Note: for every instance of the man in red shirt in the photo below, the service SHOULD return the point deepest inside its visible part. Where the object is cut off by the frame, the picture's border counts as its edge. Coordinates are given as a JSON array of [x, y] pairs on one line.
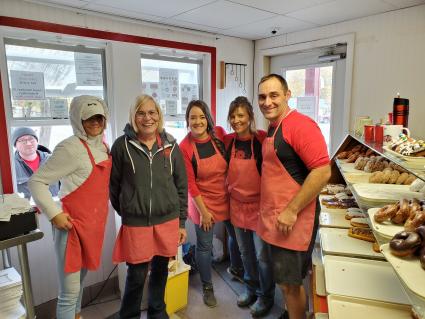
[[295, 168], [29, 156]]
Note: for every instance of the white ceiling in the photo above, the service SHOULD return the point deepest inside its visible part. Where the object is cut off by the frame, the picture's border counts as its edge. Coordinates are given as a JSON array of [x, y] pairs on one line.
[[248, 19]]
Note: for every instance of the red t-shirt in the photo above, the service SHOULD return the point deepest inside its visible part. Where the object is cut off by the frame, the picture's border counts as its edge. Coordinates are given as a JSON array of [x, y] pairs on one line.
[[305, 137], [35, 164]]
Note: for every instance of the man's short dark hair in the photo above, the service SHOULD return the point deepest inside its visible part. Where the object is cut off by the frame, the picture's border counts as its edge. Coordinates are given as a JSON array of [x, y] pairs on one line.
[[280, 78]]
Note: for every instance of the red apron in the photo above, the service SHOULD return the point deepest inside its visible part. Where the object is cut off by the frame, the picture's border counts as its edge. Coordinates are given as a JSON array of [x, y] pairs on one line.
[[88, 206], [139, 244], [211, 181], [243, 182], [278, 188]]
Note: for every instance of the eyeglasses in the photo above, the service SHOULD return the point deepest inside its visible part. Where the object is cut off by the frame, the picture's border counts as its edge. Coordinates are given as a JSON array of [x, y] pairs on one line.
[[30, 139], [151, 114]]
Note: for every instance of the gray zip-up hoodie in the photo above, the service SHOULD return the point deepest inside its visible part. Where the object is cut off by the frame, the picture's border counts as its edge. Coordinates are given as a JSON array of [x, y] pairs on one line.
[[148, 187]]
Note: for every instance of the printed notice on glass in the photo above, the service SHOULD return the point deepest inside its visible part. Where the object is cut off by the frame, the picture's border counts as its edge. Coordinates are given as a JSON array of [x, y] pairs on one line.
[[188, 92], [169, 84], [27, 85], [88, 69], [152, 89], [58, 108], [171, 107], [307, 105]]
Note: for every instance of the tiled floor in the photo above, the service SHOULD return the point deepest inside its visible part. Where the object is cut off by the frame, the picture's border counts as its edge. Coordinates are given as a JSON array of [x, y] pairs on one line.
[[225, 294]]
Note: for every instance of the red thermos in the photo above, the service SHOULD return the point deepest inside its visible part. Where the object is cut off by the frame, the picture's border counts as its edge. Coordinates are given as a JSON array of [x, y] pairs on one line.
[[401, 111]]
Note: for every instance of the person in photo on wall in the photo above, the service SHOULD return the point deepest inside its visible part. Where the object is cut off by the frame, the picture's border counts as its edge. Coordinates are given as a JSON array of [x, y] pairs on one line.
[[204, 155], [243, 153], [295, 168], [82, 164], [29, 156], [148, 190]]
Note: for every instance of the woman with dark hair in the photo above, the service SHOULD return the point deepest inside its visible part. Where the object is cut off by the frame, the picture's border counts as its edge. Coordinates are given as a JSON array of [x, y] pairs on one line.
[[203, 152], [243, 182], [148, 190]]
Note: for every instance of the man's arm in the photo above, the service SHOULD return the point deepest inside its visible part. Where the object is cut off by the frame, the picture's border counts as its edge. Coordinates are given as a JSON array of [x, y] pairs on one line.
[[313, 184]]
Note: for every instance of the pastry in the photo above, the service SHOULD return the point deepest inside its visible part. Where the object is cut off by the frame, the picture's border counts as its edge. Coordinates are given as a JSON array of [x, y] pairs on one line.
[[405, 243], [385, 213], [359, 222], [362, 234], [414, 221], [354, 212], [376, 177], [394, 176], [402, 214], [409, 180], [402, 178]]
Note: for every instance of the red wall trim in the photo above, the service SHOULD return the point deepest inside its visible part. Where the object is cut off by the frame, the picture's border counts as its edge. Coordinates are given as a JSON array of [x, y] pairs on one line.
[[90, 33], [6, 170]]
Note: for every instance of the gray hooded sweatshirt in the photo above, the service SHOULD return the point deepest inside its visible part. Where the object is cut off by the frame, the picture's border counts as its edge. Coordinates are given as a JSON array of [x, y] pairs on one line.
[[70, 163]]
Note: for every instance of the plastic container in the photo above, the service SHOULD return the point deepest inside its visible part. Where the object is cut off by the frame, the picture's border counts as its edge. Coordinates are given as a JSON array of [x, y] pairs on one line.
[[176, 291]]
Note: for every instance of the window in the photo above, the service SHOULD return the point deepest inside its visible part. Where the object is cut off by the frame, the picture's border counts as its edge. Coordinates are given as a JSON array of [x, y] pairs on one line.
[[173, 82], [43, 79], [311, 89]]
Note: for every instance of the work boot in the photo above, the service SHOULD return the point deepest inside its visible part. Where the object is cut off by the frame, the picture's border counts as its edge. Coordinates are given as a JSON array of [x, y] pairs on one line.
[[261, 307], [208, 296], [245, 299]]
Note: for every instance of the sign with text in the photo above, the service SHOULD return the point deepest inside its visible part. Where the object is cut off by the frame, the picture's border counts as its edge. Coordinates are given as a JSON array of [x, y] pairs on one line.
[[27, 85], [58, 108], [188, 92], [307, 106], [88, 69], [169, 84], [171, 107]]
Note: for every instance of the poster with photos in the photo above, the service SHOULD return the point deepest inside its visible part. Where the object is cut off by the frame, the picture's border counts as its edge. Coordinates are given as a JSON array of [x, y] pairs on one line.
[[152, 89], [169, 84], [188, 92]]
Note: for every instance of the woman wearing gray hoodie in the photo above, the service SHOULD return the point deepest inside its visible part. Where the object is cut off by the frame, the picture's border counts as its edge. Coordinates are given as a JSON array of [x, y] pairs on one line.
[[82, 164]]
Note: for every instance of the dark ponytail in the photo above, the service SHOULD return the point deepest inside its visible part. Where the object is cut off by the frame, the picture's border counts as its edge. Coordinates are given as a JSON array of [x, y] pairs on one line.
[[210, 122]]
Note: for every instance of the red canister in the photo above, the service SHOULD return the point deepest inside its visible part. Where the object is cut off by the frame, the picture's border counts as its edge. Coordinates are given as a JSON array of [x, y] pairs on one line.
[[379, 134], [369, 133], [401, 111]]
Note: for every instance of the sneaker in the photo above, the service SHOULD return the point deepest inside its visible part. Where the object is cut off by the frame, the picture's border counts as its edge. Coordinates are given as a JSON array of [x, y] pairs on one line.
[[208, 296], [284, 315], [245, 299], [261, 307], [236, 274]]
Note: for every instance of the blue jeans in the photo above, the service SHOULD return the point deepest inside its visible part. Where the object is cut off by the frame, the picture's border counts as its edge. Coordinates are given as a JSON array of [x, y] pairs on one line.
[[256, 259], [133, 293], [204, 240], [70, 284], [233, 247]]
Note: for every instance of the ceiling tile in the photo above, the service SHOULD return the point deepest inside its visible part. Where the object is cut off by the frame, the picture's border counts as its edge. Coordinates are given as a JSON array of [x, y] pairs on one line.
[[192, 26], [279, 6], [341, 10], [224, 14], [163, 8], [405, 3], [70, 3], [122, 13], [262, 29]]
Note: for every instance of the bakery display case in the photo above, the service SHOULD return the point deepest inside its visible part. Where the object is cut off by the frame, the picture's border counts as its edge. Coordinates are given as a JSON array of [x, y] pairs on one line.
[[380, 191]]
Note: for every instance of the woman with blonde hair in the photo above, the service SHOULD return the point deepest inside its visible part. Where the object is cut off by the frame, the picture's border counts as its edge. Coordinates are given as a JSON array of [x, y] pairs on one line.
[[148, 189]]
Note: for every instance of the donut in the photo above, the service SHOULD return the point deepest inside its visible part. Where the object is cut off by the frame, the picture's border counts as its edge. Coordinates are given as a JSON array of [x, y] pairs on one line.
[[414, 221], [385, 213], [402, 214], [402, 178], [376, 177], [410, 179], [421, 231], [405, 243], [394, 175]]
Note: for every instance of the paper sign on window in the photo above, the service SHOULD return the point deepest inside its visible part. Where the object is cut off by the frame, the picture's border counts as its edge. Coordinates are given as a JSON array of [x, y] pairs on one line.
[[88, 69], [307, 106], [58, 108], [27, 85], [188, 92], [171, 107], [169, 84], [152, 89]]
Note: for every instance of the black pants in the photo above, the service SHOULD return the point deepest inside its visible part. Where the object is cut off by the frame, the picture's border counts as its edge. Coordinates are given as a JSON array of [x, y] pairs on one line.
[[133, 294]]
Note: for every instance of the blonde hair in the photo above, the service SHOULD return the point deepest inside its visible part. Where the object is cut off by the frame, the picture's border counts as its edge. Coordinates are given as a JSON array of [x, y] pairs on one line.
[[140, 101]]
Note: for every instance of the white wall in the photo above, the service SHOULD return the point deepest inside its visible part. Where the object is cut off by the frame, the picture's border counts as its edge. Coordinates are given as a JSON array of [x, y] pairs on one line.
[[123, 86], [388, 57]]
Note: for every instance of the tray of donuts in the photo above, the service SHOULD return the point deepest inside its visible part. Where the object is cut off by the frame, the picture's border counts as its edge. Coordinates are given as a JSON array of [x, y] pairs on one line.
[[393, 218], [406, 253], [377, 195], [339, 202]]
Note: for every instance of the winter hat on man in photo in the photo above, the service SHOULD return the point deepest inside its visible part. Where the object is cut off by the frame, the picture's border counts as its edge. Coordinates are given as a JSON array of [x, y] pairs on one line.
[[21, 131]]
